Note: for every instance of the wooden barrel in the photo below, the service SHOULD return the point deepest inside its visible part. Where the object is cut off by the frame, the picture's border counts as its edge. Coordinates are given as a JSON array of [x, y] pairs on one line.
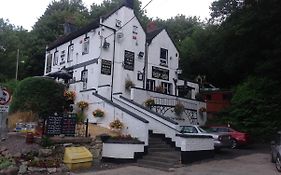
[[29, 138]]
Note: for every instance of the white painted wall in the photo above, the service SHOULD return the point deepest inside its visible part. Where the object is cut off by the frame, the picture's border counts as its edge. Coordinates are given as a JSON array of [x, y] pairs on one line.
[[162, 40], [195, 144], [121, 151]]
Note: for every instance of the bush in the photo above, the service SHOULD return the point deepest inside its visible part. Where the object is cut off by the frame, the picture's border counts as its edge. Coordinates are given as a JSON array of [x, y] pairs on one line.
[[40, 95]]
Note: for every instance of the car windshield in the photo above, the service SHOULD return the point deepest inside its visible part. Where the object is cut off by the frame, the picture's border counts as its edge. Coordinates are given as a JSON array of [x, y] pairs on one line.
[[202, 130]]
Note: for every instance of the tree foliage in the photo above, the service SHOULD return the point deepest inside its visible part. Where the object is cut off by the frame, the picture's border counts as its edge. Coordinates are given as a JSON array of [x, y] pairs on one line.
[[39, 95]]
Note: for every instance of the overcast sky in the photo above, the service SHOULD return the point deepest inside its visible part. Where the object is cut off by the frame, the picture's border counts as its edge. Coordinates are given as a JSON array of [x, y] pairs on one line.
[[26, 12]]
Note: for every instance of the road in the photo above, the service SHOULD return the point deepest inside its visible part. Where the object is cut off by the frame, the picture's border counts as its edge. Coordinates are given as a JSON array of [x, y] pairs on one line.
[[250, 161]]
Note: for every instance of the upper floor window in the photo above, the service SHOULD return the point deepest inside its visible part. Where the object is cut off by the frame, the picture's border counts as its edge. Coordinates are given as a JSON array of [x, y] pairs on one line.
[[49, 63], [56, 58], [70, 53], [62, 57], [86, 46], [163, 57], [84, 78]]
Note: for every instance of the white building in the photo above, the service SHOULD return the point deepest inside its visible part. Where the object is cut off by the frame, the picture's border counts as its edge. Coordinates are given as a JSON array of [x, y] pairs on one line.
[[108, 55]]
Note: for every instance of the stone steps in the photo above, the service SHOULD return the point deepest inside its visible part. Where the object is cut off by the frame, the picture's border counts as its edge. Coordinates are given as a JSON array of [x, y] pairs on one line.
[[160, 155]]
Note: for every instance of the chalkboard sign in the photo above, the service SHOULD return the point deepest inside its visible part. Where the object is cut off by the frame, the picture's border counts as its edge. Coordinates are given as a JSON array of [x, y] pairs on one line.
[[129, 60], [54, 125], [68, 125], [160, 73], [106, 67]]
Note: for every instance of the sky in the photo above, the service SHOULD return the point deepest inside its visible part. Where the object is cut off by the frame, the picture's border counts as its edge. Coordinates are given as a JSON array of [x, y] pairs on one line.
[[26, 12]]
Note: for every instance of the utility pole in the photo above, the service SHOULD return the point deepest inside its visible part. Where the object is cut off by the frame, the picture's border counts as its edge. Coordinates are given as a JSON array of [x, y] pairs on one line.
[[17, 64]]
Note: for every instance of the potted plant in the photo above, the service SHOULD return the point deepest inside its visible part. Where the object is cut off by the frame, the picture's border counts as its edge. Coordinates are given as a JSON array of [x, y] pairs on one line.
[[129, 84], [179, 108], [202, 109], [159, 88], [149, 102], [98, 113]]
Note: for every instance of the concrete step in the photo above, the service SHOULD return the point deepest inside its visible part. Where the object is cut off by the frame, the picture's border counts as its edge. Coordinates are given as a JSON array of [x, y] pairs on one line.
[[160, 149], [171, 155], [162, 159], [159, 145]]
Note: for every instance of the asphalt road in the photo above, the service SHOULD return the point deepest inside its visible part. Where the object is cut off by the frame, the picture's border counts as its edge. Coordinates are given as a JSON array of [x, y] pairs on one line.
[[247, 161]]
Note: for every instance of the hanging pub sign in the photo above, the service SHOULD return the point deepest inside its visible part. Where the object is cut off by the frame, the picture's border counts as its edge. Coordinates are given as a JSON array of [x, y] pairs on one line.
[[106, 67], [160, 73], [129, 60]]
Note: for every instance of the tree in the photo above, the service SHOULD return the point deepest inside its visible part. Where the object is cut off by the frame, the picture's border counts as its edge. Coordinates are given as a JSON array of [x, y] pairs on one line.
[[40, 95]]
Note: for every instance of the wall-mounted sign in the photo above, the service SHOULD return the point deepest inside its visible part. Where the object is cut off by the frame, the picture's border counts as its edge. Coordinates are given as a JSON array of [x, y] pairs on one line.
[[4, 96], [106, 67], [140, 76], [160, 73], [129, 60], [4, 108]]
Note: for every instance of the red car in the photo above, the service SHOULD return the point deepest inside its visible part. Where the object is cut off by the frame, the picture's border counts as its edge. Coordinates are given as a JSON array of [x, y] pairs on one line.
[[238, 138]]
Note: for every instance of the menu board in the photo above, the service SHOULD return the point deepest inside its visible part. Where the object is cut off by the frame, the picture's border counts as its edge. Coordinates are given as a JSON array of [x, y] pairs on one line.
[[106, 67], [57, 125], [129, 60], [54, 125], [68, 125], [160, 73]]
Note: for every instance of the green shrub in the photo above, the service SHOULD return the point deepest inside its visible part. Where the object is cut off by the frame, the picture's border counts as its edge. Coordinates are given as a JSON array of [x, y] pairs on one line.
[[40, 95]]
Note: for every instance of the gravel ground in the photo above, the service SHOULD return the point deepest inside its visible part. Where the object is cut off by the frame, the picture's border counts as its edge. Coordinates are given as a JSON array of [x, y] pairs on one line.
[[250, 161]]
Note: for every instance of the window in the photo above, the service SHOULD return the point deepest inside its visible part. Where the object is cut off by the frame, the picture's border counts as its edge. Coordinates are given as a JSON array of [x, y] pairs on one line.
[[150, 85], [189, 129], [84, 78], [56, 58], [167, 88], [62, 57], [70, 53], [129, 60], [163, 57], [85, 47], [49, 63]]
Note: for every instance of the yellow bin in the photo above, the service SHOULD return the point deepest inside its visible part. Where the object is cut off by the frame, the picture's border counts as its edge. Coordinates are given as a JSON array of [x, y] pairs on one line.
[[77, 157]]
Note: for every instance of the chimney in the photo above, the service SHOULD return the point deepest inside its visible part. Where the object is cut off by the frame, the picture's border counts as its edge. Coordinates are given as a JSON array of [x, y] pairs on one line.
[[68, 28], [151, 26], [129, 3]]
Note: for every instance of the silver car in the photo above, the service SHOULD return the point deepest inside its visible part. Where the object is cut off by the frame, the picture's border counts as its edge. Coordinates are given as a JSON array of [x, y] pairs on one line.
[[221, 140], [276, 151]]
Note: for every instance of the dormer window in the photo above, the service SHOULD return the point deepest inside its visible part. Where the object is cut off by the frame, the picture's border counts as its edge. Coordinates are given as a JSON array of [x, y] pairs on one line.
[[70, 53], [85, 47], [62, 57], [56, 58], [163, 57]]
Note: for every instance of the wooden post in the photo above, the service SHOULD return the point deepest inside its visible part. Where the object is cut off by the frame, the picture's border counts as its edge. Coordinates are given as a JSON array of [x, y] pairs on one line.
[[87, 125]]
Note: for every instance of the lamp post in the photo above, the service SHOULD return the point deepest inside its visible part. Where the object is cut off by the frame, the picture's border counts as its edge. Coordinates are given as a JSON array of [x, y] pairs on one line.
[[17, 64]]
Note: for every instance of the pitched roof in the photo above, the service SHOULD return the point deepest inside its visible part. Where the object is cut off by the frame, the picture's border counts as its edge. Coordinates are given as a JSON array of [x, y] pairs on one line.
[[151, 35], [73, 35], [87, 28]]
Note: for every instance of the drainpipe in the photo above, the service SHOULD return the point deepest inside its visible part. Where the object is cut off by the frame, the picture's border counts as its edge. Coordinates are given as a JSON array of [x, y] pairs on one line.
[[113, 58], [145, 69]]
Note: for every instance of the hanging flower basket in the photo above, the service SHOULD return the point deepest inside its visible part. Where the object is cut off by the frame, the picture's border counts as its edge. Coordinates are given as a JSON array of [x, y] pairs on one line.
[[202, 109], [82, 104], [69, 95], [129, 84], [149, 102], [179, 108], [159, 89], [98, 113], [116, 125]]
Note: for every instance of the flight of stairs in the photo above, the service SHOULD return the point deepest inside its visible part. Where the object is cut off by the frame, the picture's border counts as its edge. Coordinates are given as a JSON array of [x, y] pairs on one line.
[[160, 155]]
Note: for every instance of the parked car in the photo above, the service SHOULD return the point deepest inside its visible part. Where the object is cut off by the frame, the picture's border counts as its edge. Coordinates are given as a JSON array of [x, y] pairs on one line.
[[276, 151], [238, 138], [221, 140]]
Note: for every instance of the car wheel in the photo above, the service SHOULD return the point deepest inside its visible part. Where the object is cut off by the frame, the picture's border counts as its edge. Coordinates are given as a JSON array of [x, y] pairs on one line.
[[278, 163], [233, 144]]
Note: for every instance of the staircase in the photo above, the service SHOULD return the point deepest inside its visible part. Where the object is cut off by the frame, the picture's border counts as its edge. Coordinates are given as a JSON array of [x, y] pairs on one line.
[[160, 155]]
